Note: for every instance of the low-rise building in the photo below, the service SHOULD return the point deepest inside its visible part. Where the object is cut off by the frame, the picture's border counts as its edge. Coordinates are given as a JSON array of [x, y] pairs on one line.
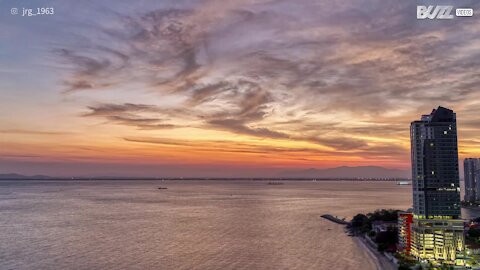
[[438, 240], [383, 226], [405, 220]]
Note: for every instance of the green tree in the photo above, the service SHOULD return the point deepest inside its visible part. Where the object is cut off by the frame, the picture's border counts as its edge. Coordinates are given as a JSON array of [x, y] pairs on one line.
[[474, 233], [383, 215], [359, 220]]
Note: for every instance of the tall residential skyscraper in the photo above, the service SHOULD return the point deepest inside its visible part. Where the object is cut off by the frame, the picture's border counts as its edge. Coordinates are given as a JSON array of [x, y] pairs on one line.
[[436, 184], [437, 231], [471, 168]]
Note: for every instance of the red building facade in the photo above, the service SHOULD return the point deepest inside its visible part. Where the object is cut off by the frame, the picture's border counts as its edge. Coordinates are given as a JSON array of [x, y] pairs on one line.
[[405, 220]]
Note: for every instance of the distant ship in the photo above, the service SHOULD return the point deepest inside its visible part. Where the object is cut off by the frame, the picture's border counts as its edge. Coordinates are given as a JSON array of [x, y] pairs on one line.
[[404, 183], [275, 183]]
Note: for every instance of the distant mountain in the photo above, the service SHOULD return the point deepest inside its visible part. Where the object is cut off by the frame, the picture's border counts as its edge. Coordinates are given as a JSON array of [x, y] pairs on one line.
[[337, 172], [14, 176], [347, 172]]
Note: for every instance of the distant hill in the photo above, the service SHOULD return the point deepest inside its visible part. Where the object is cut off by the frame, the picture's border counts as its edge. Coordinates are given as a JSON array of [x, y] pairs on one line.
[[347, 172], [332, 173], [14, 176]]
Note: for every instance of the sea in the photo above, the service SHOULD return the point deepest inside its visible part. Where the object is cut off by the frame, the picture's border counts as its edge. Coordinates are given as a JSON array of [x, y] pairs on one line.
[[190, 225]]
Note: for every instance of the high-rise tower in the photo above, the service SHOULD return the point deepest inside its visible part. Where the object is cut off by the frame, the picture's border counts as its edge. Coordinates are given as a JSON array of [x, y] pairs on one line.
[[472, 176], [437, 231], [436, 184]]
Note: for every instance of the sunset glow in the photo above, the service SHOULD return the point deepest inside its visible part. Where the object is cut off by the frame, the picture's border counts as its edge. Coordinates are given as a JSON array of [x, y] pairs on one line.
[[225, 88]]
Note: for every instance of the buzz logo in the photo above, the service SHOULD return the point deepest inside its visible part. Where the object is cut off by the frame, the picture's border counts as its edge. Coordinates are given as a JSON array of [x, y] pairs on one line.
[[434, 12]]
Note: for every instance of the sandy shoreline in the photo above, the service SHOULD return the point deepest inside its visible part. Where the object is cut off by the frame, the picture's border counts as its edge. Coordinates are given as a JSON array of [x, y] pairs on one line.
[[380, 261]]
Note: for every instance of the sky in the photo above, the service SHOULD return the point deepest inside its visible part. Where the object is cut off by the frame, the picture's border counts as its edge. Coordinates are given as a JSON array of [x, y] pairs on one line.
[[217, 88]]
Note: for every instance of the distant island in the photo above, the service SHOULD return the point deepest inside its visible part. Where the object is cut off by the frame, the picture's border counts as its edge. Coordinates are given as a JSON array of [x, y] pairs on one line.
[[112, 178], [15, 176], [347, 172], [337, 173]]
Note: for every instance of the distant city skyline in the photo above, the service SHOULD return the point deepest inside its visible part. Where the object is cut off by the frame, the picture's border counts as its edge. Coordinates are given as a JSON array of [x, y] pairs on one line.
[[225, 88]]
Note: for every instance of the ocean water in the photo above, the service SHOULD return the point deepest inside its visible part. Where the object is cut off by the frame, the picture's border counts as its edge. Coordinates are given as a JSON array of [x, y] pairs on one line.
[[191, 225]]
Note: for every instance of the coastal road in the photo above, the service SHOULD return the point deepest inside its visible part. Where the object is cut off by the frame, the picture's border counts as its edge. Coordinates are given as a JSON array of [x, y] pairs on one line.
[[381, 261]]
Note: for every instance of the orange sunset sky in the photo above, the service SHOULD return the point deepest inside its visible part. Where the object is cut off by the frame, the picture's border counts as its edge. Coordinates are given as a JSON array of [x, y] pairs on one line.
[[228, 88]]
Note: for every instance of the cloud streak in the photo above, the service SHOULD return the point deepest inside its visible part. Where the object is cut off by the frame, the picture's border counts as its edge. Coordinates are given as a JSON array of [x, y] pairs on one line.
[[343, 78], [240, 68], [130, 115]]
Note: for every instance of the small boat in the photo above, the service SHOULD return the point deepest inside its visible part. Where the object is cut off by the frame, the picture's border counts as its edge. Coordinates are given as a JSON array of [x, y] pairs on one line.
[[404, 183], [162, 188], [275, 183]]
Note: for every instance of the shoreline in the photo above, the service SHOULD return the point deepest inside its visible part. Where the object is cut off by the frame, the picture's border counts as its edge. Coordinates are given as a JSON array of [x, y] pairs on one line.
[[371, 256], [379, 260]]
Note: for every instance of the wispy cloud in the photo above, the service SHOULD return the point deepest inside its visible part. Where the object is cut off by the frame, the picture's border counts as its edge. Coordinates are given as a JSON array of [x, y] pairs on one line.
[[346, 77], [130, 114], [298, 153], [34, 132]]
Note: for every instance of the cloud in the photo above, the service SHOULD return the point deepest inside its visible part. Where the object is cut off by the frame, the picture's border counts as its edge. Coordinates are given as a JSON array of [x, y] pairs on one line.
[[248, 105], [239, 127], [91, 71], [141, 123], [340, 143], [347, 75], [206, 93], [33, 132], [130, 114], [295, 153], [109, 109]]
